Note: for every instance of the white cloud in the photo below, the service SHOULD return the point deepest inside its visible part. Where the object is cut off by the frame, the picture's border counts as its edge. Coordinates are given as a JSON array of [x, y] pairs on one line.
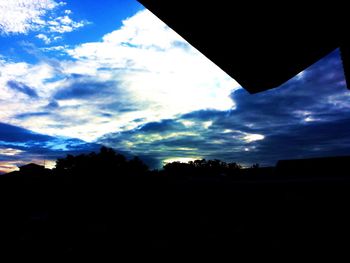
[[13, 102], [161, 73], [142, 71], [44, 38], [253, 137], [9, 151], [54, 48], [207, 124], [24, 16], [21, 16], [63, 24]]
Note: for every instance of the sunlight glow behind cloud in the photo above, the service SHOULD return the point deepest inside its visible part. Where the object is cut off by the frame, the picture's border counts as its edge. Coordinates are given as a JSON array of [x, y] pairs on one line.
[[9, 151], [181, 159], [6, 167]]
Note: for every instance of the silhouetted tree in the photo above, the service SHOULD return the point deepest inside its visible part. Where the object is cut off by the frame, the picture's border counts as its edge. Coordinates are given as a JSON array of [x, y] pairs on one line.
[[106, 163], [202, 168], [177, 168], [137, 166]]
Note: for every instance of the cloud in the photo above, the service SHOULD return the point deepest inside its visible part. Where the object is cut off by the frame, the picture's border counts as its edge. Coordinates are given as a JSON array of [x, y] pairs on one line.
[[12, 134], [44, 38], [31, 114], [25, 16], [19, 146], [253, 137], [52, 105], [63, 24], [9, 151], [18, 86], [143, 71], [54, 48], [84, 87], [152, 73], [306, 117], [147, 59], [25, 88], [6, 167], [143, 90], [21, 16]]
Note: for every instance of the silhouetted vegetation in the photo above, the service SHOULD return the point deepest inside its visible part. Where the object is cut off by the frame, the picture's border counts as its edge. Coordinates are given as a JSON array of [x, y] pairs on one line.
[[202, 168], [104, 204], [105, 164]]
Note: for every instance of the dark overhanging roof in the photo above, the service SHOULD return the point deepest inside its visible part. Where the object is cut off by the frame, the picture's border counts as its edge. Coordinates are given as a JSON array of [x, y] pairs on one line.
[[261, 45]]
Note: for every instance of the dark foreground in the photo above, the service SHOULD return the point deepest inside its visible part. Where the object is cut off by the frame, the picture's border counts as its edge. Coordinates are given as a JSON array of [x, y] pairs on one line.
[[260, 213]]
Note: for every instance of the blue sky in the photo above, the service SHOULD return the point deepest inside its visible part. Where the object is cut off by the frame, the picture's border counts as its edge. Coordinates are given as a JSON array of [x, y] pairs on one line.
[[76, 75]]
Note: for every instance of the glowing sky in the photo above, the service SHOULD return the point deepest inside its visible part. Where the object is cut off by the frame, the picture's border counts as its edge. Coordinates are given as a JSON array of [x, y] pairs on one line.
[[75, 75]]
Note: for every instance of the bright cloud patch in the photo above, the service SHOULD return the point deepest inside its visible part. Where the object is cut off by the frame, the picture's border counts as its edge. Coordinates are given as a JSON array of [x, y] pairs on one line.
[[157, 67], [24, 16], [143, 72], [253, 137], [156, 74], [21, 16], [10, 151], [64, 24], [44, 38]]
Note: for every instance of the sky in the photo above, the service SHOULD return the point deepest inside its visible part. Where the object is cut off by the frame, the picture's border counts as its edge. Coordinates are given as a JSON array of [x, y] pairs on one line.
[[76, 75]]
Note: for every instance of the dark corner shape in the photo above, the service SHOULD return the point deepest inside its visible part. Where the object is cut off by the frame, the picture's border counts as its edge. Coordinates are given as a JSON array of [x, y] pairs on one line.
[[259, 49]]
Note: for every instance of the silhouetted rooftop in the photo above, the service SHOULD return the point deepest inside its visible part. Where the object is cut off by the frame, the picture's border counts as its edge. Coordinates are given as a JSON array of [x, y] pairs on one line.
[[31, 166]]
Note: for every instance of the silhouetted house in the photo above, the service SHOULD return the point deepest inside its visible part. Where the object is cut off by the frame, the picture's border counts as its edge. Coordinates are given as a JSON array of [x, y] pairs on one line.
[[260, 44], [32, 168], [314, 167]]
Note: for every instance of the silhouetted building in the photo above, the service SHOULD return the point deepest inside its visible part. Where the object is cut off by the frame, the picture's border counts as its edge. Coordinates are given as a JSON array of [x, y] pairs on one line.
[[32, 168]]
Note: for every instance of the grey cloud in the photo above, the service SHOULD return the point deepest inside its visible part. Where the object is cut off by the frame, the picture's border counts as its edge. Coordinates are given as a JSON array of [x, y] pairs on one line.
[[83, 89], [299, 119], [21, 87]]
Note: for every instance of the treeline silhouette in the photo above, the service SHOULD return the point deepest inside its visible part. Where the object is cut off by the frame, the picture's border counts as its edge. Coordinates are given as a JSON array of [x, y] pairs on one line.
[[100, 166], [103, 204]]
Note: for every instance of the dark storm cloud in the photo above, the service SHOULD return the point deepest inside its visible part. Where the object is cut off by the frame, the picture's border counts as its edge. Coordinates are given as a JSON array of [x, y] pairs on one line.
[[308, 116], [311, 140], [21, 87]]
